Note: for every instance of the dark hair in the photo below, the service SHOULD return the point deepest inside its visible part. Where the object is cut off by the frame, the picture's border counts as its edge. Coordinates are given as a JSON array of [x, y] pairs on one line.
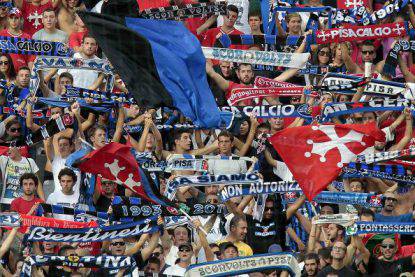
[[316, 53], [225, 245], [311, 256], [11, 123], [63, 137], [67, 75], [367, 212], [49, 10], [178, 133], [23, 68], [153, 260], [11, 71], [68, 172], [264, 125], [26, 176], [254, 14], [213, 245], [232, 8], [333, 206], [88, 36], [65, 248], [325, 253], [368, 43], [243, 64], [225, 133], [93, 129], [235, 220]]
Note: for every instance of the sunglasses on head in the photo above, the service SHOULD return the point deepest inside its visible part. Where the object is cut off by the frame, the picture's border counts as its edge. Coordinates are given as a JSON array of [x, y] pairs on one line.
[[368, 52], [118, 243], [388, 246]]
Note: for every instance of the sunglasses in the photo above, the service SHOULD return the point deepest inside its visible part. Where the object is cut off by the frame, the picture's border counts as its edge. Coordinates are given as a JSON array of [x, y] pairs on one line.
[[368, 52], [268, 209], [4, 63], [14, 130], [213, 201], [185, 250], [324, 53], [388, 246], [118, 243], [335, 248]]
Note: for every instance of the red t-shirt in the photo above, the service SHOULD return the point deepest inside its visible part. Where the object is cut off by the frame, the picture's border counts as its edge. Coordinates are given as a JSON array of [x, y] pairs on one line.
[[75, 39], [148, 4], [19, 60], [33, 16], [212, 34], [22, 206], [232, 86]]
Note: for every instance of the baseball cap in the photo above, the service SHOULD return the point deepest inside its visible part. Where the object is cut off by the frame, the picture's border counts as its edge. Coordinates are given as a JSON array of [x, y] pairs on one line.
[[16, 12]]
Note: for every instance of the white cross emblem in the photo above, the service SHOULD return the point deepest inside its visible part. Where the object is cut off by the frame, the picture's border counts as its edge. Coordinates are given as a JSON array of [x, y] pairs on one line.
[[323, 35], [321, 148], [115, 169], [398, 29], [36, 17], [353, 3]]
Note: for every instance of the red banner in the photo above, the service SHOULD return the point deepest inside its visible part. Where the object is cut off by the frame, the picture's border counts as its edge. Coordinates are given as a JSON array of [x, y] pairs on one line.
[[262, 82], [353, 33], [350, 4], [240, 94], [30, 220]]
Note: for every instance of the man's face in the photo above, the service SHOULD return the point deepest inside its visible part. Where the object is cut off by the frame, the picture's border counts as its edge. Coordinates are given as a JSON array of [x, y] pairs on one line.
[[23, 78], [240, 230], [339, 251], [89, 46], [67, 184], [212, 199], [368, 53], [368, 117], [180, 236], [230, 253], [326, 210], [311, 267], [152, 268], [29, 187], [64, 81], [245, 74], [230, 19], [49, 245], [390, 202], [333, 231], [49, 20], [255, 23], [184, 142], [225, 145], [388, 248], [117, 247], [14, 21], [107, 187], [276, 123], [356, 186], [225, 68], [64, 147], [269, 210], [211, 190], [99, 139]]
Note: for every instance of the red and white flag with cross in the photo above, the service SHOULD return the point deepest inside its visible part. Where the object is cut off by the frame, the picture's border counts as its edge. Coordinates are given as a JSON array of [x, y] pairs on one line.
[[316, 154], [350, 4]]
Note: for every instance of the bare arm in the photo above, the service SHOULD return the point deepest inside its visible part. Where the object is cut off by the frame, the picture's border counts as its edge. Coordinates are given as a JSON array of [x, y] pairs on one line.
[[351, 66], [119, 125], [294, 207], [219, 80], [407, 74], [8, 242], [408, 132]]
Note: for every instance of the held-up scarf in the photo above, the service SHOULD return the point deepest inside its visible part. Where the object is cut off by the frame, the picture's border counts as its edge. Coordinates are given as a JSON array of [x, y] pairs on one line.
[[381, 228], [355, 33], [77, 213], [262, 82], [188, 11], [391, 60], [390, 172], [331, 110], [385, 156], [224, 179], [101, 233], [226, 40], [282, 111], [291, 60], [362, 199], [208, 157], [107, 262], [137, 208], [175, 165], [51, 128], [374, 87], [339, 219], [130, 129], [343, 88], [103, 107], [22, 113], [241, 94], [231, 191], [25, 46], [241, 265], [76, 92], [42, 63]]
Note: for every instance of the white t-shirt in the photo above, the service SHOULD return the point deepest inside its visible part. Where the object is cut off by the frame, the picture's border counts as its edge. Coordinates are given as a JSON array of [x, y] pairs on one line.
[[10, 174], [175, 270], [217, 166], [58, 163], [58, 198], [82, 78], [242, 22]]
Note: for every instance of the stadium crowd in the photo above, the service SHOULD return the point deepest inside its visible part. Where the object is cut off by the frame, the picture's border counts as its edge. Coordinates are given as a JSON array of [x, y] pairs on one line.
[[40, 179]]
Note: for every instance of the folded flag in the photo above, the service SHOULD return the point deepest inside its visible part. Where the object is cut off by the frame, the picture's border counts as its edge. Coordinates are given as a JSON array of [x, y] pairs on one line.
[[161, 63], [308, 149]]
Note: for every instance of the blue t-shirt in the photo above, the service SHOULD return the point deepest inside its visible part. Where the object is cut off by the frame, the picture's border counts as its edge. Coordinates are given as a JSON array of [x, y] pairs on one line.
[[398, 218]]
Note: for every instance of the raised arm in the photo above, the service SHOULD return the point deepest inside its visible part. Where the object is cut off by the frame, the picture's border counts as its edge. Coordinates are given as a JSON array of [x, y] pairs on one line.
[[219, 80], [294, 207], [351, 66], [408, 132]]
